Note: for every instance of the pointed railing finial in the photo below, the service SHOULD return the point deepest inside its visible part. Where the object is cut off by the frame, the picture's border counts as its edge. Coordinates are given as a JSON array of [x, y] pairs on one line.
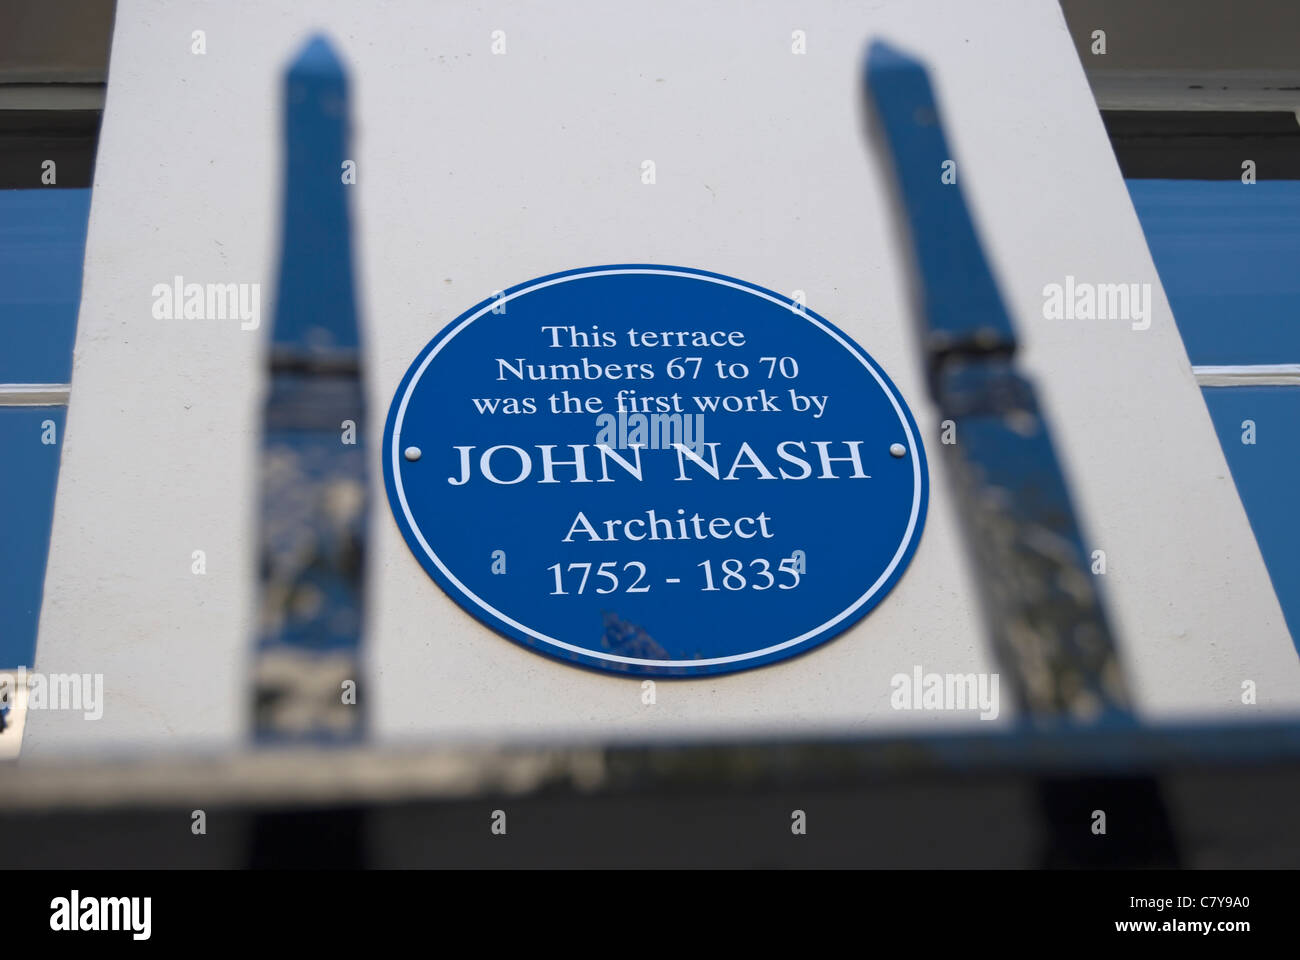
[[315, 315], [314, 477]]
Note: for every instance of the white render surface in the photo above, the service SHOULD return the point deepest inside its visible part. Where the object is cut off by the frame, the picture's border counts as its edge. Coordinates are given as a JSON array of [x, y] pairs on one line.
[[476, 172]]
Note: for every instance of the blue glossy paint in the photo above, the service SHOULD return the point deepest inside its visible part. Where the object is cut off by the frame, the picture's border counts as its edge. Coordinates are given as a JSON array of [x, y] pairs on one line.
[[315, 308], [855, 534], [42, 246], [1229, 258], [1266, 475], [27, 482]]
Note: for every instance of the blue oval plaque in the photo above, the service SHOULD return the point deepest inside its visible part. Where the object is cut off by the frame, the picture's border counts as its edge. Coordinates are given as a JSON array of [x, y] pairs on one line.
[[655, 470]]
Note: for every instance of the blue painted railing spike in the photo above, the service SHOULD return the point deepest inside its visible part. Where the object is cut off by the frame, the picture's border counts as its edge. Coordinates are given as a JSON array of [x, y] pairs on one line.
[[318, 57], [315, 301], [1046, 620], [313, 485], [964, 310]]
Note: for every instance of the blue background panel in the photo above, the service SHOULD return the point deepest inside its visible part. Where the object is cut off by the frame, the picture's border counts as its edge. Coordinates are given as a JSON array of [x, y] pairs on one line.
[[1228, 254], [27, 482], [670, 608], [42, 246], [1266, 473]]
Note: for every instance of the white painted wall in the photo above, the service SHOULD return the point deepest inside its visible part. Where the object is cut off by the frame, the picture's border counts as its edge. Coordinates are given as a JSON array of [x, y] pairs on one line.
[[477, 172]]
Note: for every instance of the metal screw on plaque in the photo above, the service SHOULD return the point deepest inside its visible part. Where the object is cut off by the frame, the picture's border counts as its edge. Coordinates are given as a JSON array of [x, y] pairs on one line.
[[313, 489], [897, 450], [412, 453]]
